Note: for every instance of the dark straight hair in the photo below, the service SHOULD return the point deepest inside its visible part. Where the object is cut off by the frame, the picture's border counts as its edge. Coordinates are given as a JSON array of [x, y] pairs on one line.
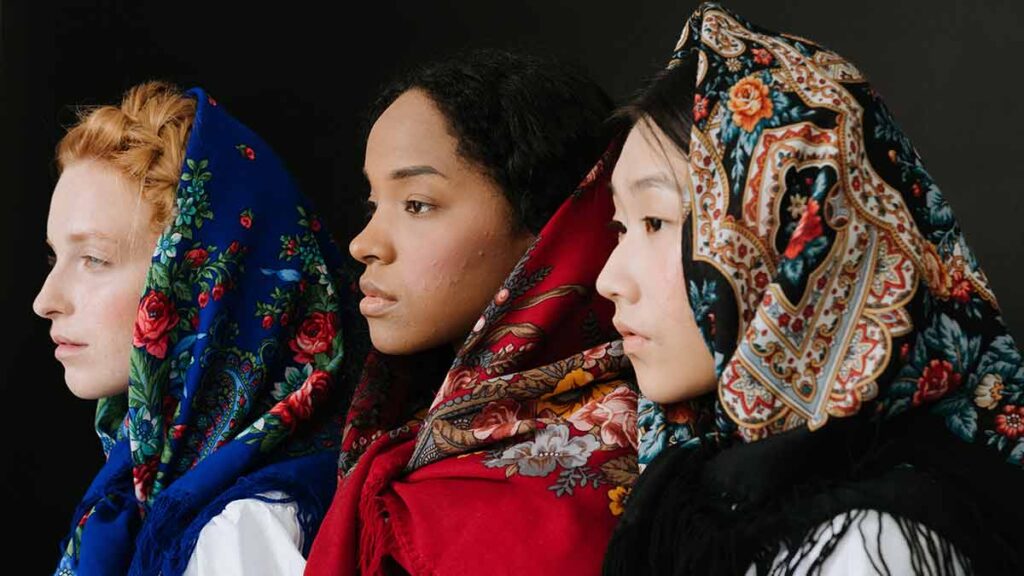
[[666, 102]]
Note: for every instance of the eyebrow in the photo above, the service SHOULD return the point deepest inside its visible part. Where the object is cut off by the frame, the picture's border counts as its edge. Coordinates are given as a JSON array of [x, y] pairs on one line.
[[659, 181], [413, 171], [84, 235]]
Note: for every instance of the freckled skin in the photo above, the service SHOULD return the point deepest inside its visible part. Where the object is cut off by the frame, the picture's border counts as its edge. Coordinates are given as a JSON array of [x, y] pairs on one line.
[[441, 260], [644, 275], [93, 303]]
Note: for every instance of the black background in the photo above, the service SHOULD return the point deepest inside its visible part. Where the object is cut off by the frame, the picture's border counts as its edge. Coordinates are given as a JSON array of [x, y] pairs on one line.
[[301, 74]]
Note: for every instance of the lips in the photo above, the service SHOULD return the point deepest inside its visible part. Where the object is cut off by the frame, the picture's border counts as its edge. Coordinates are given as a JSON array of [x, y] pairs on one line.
[[376, 302], [632, 341], [66, 347]]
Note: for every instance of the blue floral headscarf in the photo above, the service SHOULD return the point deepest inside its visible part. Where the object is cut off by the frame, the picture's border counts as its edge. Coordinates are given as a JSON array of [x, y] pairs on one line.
[[234, 381]]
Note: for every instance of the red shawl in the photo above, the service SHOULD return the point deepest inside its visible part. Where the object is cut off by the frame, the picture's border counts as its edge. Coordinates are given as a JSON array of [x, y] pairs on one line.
[[523, 460]]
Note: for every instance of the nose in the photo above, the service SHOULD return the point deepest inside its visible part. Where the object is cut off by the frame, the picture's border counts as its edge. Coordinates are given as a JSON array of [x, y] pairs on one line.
[[51, 301], [373, 243], [616, 282]]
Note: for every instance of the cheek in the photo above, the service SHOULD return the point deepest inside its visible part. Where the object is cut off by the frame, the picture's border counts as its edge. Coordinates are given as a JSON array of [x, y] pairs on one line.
[[444, 282], [440, 264], [667, 288], [663, 372], [106, 312], [117, 306], [670, 279], [677, 315], [463, 251]]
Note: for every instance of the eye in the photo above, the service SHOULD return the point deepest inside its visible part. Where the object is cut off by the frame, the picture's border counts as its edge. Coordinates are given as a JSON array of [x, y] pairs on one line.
[[51, 259], [417, 207], [617, 227], [94, 262], [653, 224], [369, 207]]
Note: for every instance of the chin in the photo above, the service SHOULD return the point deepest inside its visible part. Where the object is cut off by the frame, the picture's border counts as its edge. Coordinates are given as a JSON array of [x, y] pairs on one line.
[[662, 397], [660, 387], [401, 341], [87, 389], [84, 391], [390, 342]]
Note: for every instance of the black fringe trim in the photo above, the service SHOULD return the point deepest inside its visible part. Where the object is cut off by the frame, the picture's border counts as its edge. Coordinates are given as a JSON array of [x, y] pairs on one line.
[[722, 510]]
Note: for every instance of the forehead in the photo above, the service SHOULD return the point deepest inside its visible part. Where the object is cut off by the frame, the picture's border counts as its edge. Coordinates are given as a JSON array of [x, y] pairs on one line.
[[93, 196], [412, 131], [648, 160]]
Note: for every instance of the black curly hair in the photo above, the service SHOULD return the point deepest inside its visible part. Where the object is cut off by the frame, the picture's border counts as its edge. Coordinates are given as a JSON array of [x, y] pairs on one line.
[[534, 125]]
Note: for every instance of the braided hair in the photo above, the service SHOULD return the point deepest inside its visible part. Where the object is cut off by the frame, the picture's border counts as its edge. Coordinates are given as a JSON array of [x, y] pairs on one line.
[[143, 138]]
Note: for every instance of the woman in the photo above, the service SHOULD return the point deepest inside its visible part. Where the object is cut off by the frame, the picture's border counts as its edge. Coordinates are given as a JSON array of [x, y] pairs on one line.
[[217, 403], [826, 383], [516, 461]]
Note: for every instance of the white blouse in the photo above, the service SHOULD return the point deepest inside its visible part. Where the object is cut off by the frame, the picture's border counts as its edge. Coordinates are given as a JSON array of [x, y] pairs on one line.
[[872, 537], [250, 537]]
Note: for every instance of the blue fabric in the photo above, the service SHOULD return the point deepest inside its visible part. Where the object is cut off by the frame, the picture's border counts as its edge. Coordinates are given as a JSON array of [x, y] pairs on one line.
[[234, 386]]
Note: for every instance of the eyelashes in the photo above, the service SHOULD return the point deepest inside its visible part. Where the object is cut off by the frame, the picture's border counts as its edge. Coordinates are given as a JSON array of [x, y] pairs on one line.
[[414, 207], [88, 261], [94, 262], [418, 207], [651, 225]]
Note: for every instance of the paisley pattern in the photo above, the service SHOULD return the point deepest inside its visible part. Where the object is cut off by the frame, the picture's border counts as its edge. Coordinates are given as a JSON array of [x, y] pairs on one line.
[[233, 375], [841, 280], [537, 412]]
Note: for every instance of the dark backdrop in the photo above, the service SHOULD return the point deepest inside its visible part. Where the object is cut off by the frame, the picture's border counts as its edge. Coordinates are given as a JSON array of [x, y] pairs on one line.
[[301, 75]]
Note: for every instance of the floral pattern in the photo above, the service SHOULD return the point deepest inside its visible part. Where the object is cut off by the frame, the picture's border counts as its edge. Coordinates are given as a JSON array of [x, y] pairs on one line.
[[618, 497], [538, 404], [484, 400], [750, 102], [208, 372], [153, 324], [613, 416], [830, 272], [550, 448]]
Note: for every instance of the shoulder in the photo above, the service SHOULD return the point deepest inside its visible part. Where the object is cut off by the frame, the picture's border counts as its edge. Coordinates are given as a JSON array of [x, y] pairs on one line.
[[251, 535]]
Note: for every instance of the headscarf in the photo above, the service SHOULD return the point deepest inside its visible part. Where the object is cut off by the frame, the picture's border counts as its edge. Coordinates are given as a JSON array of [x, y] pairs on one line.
[[852, 329], [233, 388], [521, 459], [827, 270]]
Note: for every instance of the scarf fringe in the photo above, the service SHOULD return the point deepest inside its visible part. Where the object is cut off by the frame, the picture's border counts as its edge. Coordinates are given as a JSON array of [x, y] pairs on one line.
[[680, 521], [172, 528], [112, 488], [374, 540], [930, 555]]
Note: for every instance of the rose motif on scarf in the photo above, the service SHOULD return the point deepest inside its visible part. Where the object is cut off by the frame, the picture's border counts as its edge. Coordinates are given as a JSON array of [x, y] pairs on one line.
[[298, 405], [143, 475], [208, 372], [845, 281], [498, 420], [196, 257], [614, 415], [750, 102], [937, 379], [314, 336], [155, 320]]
